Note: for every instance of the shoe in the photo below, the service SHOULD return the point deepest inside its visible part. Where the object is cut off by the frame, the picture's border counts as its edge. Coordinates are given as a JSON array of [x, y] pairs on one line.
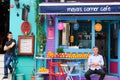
[[5, 77], [11, 71]]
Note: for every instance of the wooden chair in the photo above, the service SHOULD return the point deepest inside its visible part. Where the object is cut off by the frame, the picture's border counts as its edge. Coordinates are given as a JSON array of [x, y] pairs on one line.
[[56, 71]]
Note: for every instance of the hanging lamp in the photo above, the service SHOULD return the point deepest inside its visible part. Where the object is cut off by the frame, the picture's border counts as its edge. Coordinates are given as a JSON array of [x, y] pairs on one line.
[[60, 26], [98, 27], [76, 26]]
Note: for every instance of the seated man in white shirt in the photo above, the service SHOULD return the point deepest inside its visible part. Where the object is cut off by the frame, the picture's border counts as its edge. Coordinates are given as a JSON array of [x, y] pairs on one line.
[[95, 63]]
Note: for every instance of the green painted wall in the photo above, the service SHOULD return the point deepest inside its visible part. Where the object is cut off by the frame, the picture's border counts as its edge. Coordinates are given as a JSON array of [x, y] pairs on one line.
[[25, 64]]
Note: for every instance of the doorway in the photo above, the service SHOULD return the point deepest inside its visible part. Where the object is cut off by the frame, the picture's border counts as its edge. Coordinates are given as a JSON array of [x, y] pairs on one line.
[[101, 40], [4, 22], [108, 42], [113, 48]]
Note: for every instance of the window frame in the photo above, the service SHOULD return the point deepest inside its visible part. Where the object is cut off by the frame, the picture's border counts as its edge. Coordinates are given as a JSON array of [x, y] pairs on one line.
[[74, 18]]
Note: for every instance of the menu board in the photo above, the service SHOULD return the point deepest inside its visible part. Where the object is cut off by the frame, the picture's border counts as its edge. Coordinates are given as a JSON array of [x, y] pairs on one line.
[[26, 45]]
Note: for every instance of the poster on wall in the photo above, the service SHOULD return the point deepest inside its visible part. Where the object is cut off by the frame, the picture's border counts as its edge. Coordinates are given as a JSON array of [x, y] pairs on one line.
[[26, 45], [50, 33]]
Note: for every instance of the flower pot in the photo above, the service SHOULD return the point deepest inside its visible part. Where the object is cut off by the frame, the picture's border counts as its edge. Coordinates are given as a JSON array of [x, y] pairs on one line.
[[33, 78]]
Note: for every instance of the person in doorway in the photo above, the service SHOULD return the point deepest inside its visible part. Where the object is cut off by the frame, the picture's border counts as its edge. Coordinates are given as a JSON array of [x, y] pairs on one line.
[[9, 49], [95, 64]]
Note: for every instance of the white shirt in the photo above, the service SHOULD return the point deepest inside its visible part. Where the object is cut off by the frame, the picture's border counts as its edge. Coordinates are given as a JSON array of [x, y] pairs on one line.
[[95, 59]]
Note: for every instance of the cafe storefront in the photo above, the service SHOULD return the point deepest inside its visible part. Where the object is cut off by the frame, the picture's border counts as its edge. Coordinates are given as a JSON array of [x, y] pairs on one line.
[[84, 26]]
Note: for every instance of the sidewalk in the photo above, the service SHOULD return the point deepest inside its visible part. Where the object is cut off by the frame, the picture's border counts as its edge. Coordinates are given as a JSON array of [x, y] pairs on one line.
[[9, 77], [2, 68]]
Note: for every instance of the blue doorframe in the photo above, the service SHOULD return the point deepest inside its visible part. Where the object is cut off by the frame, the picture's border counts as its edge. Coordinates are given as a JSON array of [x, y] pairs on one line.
[[119, 50], [111, 67]]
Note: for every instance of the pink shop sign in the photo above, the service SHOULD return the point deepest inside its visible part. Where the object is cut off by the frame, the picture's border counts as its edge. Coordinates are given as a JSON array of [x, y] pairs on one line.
[[50, 33]]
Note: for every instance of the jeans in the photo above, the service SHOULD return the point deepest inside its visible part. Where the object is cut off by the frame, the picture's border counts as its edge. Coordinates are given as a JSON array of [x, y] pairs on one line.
[[100, 72], [7, 61]]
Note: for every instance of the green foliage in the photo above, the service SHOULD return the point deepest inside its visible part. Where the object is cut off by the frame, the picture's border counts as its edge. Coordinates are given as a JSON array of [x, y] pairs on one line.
[[60, 50], [41, 37]]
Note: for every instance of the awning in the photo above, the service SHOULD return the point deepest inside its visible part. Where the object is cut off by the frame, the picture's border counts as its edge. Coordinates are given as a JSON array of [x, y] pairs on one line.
[[80, 8]]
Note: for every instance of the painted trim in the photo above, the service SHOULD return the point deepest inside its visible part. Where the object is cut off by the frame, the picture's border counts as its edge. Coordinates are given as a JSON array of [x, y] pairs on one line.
[[80, 13], [56, 34], [114, 60], [109, 50], [93, 34], [88, 17], [119, 49], [113, 74], [110, 59], [78, 50], [78, 4]]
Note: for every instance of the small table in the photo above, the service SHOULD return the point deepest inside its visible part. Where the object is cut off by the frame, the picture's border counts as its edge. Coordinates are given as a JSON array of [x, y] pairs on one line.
[[42, 64], [65, 68]]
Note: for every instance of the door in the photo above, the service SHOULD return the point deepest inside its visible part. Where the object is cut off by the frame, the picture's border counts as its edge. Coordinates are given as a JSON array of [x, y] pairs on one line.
[[113, 48]]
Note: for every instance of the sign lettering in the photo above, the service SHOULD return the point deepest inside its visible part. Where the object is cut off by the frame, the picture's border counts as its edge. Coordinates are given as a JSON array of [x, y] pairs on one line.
[[105, 9]]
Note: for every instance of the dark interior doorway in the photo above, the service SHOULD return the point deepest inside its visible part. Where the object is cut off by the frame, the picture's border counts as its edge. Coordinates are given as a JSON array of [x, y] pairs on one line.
[[101, 40], [4, 22]]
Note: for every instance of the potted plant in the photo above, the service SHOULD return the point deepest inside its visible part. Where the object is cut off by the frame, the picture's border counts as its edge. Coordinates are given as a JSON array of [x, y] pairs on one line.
[[32, 77], [60, 50], [60, 53]]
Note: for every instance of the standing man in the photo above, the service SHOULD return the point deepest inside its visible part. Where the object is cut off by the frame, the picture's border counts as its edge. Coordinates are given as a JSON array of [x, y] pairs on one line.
[[95, 64], [9, 49]]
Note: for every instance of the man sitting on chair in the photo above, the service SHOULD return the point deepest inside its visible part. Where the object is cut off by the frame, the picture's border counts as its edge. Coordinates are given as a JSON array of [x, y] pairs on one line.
[[95, 63]]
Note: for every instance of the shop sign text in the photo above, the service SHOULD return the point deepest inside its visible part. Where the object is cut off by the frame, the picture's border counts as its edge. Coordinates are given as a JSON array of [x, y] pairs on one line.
[[89, 9]]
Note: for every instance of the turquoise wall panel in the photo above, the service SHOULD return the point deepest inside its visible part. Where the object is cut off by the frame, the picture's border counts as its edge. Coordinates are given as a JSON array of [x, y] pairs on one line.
[[25, 64], [16, 21], [25, 61]]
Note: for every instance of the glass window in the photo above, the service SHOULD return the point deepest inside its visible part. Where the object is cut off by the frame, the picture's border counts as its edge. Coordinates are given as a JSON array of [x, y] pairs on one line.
[[114, 41], [76, 34]]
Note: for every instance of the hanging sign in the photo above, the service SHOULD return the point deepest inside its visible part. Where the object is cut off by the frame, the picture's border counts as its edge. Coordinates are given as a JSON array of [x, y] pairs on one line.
[[80, 8], [25, 28], [50, 33]]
